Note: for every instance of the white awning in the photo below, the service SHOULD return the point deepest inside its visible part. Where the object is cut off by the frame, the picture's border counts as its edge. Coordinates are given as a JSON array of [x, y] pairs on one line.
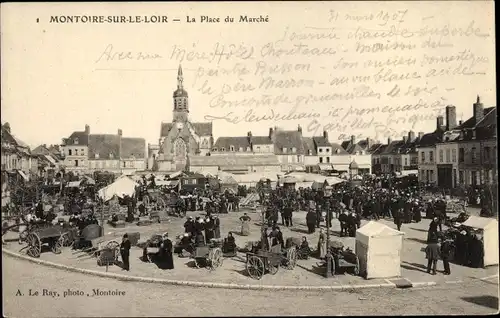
[[25, 177], [325, 166]]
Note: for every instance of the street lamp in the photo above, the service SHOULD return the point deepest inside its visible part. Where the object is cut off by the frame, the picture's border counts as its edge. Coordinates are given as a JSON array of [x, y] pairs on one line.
[[328, 256]]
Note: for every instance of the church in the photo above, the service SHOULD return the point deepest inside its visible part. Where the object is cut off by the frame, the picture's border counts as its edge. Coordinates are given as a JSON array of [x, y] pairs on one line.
[[182, 138]]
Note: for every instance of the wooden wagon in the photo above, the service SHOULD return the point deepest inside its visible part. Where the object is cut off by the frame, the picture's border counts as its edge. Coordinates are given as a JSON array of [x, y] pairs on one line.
[[38, 236], [262, 262], [342, 259], [210, 256]]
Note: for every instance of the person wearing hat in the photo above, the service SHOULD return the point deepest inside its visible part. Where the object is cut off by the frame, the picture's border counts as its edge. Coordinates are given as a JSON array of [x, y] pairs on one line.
[[125, 252], [245, 224], [432, 252], [189, 225], [166, 256], [433, 226], [209, 229], [199, 226], [216, 227], [446, 248]]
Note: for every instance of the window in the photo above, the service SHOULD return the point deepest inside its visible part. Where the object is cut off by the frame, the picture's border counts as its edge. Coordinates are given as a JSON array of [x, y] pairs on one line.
[[294, 150], [284, 149], [320, 149], [222, 149], [96, 156], [248, 148], [298, 158], [441, 155], [473, 155], [124, 164], [83, 151], [453, 155], [328, 159], [111, 156], [76, 163], [214, 150], [461, 155], [69, 152], [487, 154], [431, 156], [448, 155], [327, 149], [337, 151], [320, 159], [231, 148], [241, 149], [76, 152], [258, 148], [310, 152], [422, 155], [76, 141], [406, 161]]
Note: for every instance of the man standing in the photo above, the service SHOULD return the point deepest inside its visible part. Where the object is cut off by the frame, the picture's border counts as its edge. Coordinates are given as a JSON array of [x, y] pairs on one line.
[[125, 252], [445, 255], [311, 221], [432, 254]]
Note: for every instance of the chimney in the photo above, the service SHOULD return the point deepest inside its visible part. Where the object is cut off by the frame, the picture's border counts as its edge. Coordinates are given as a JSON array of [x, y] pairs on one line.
[[353, 140], [368, 143], [439, 122], [299, 129], [120, 133], [249, 137], [325, 134], [271, 133], [411, 136], [405, 139], [451, 117], [389, 140], [478, 108], [249, 134], [460, 123], [420, 134], [7, 127], [87, 129]]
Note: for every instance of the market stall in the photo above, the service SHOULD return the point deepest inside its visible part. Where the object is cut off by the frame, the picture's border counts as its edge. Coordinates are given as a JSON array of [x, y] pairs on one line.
[[487, 229], [121, 187], [378, 248]]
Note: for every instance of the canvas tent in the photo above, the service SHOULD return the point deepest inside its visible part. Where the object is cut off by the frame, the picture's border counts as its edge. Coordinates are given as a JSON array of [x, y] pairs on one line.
[[378, 248], [122, 186], [227, 182], [489, 229]]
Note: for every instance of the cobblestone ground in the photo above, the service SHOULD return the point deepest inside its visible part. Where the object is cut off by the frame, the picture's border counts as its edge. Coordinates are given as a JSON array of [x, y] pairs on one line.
[[233, 270], [474, 298]]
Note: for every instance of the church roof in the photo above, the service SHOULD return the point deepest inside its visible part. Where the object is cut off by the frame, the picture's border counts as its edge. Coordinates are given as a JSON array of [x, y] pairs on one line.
[[201, 129]]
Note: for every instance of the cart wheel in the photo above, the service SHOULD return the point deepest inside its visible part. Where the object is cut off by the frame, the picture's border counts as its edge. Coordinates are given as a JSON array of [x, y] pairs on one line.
[[333, 266], [273, 268], [34, 245], [291, 256], [214, 259], [356, 268], [115, 246], [57, 245], [255, 267]]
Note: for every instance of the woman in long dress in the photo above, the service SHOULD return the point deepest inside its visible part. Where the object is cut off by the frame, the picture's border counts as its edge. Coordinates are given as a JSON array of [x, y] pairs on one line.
[[245, 225], [322, 244]]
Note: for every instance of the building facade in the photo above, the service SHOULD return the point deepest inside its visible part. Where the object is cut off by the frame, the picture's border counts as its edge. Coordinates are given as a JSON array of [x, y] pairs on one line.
[[182, 138], [16, 154], [85, 153]]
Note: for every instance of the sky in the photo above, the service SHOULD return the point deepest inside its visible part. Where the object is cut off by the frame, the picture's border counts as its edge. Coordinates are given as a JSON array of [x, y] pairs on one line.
[[345, 67]]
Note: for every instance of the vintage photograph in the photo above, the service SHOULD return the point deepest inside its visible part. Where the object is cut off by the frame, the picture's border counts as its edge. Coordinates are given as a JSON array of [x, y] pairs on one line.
[[249, 159]]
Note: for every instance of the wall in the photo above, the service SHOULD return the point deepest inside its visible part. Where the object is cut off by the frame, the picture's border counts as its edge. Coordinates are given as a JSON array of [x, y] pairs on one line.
[[78, 153], [427, 169], [204, 169]]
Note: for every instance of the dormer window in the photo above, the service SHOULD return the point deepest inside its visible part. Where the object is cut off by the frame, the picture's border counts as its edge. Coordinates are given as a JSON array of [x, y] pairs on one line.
[[222, 149], [320, 149], [96, 156], [327, 149], [294, 150], [75, 141], [473, 134], [241, 149], [111, 156], [248, 148], [338, 151], [310, 152], [214, 150], [231, 148], [284, 149]]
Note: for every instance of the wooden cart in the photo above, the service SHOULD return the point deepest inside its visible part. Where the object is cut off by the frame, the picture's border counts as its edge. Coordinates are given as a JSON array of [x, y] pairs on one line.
[[210, 256], [38, 236], [257, 264]]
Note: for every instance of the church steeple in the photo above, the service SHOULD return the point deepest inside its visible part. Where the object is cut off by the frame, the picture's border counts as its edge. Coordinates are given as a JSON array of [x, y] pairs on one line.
[[180, 78], [181, 107]]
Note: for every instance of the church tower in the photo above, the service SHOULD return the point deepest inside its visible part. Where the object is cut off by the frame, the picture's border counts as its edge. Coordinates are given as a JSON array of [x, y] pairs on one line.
[[181, 107]]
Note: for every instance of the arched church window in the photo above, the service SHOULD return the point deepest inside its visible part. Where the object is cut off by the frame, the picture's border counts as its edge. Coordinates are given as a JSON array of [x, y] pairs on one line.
[[180, 148]]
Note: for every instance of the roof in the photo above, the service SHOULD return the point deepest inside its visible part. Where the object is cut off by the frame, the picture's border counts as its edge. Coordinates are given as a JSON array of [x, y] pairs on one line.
[[133, 147], [20, 143], [308, 144], [373, 228], [105, 144], [471, 122], [337, 149], [261, 140], [235, 160], [376, 148], [430, 139], [353, 165], [409, 147], [394, 147], [82, 136], [236, 142], [288, 140], [480, 222], [321, 142], [201, 129]]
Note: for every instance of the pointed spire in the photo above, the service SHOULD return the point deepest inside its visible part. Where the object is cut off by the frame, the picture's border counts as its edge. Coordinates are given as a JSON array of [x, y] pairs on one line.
[[179, 77], [478, 99]]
